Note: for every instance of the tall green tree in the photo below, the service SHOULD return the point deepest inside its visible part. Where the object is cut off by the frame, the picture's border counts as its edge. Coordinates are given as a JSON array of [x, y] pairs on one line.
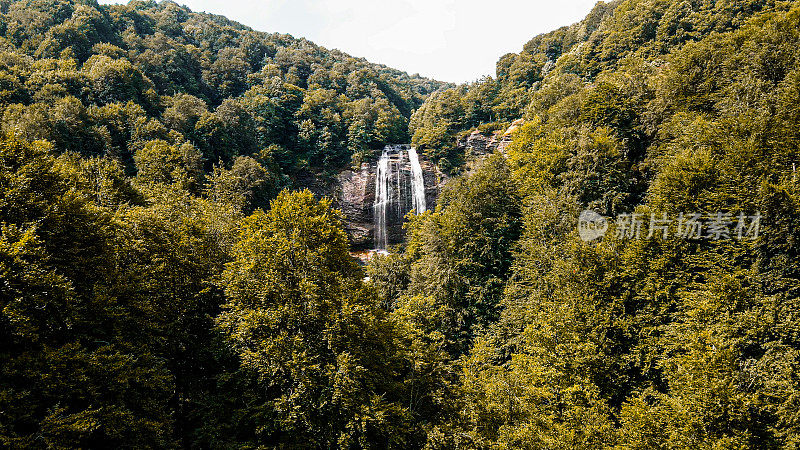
[[303, 324]]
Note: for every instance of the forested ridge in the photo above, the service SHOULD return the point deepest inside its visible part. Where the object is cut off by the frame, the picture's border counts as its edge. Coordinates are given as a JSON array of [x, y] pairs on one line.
[[132, 80], [166, 282]]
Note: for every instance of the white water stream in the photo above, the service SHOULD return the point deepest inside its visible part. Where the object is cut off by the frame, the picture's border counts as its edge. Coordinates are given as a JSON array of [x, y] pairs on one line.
[[391, 190]]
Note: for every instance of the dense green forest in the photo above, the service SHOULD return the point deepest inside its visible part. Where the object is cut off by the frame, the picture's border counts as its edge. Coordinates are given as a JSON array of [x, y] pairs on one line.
[[166, 281], [152, 82]]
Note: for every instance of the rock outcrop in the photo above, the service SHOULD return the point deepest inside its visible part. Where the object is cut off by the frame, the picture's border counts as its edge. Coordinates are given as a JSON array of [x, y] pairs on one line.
[[354, 190], [505, 139], [354, 195], [478, 144]]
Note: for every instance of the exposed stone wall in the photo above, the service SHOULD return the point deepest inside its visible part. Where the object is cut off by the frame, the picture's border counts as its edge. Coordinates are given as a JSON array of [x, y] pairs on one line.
[[477, 144], [354, 195], [354, 190]]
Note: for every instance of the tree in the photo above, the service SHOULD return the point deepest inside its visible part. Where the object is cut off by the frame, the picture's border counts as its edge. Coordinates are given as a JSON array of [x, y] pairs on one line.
[[247, 185], [302, 323], [117, 80], [160, 162], [461, 254], [69, 376], [172, 252]]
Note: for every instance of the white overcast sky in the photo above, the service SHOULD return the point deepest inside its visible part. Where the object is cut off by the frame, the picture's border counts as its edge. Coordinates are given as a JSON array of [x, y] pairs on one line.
[[447, 40]]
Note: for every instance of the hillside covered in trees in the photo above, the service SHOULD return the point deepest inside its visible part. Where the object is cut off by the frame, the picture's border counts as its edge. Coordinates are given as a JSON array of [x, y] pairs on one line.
[[148, 82], [652, 108], [165, 281]]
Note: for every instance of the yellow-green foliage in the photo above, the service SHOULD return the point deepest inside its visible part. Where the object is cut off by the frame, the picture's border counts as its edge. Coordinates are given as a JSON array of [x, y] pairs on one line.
[[653, 343], [159, 289]]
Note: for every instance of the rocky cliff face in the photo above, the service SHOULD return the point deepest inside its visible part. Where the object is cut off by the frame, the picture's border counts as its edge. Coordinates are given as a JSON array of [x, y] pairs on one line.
[[354, 195], [477, 144]]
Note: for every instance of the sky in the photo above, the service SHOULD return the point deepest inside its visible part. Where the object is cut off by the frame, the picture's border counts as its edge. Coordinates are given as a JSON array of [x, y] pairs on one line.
[[448, 40]]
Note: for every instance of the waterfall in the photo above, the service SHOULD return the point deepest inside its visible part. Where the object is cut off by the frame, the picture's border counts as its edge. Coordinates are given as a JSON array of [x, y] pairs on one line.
[[381, 201], [417, 181], [399, 187], [400, 204]]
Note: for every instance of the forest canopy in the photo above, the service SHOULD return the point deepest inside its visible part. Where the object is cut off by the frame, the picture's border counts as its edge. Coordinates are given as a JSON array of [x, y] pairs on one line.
[[167, 280], [111, 80]]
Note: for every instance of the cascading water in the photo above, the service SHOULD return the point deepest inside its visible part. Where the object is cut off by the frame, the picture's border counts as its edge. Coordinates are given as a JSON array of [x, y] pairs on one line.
[[417, 181], [399, 204], [393, 198], [381, 201]]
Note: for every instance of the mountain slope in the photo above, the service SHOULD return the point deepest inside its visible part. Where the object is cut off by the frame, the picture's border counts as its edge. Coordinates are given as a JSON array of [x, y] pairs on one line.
[[569, 58], [108, 79], [156, 291], [654, 334]]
